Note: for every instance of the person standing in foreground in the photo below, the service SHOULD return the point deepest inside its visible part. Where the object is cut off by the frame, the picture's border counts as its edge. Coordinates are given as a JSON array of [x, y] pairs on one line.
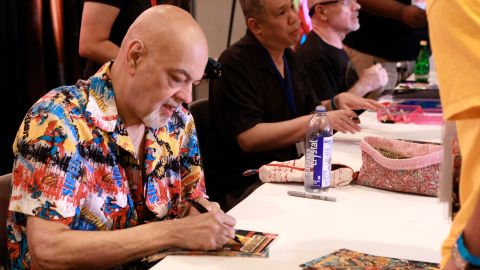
[[455, 50], [100, 166], [260, 106], [327, 64]]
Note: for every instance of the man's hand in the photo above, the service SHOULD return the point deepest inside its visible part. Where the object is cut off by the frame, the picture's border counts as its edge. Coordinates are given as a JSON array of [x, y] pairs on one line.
[[343, 121], [349, 101], [210, 206], [450, 265], [414, 16], [372, 78], [207, 231]]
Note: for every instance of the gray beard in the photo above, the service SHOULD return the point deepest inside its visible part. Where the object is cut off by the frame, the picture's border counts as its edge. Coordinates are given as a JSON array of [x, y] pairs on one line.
[[155, 120]]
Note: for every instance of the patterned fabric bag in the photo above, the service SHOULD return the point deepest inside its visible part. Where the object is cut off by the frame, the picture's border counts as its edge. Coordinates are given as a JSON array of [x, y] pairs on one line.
[[294, 171], [400, 166]]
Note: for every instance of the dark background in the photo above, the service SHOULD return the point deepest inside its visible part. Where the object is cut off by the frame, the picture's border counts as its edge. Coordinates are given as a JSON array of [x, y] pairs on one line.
[[39, 51]]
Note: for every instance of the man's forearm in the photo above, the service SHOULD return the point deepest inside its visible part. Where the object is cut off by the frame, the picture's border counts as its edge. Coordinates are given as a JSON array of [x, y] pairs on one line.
[[269, 136], [358, 89], [472, 231], [69, 249]]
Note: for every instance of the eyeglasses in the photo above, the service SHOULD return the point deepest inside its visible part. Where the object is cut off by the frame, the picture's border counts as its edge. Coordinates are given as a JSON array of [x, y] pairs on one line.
[[344, 2]]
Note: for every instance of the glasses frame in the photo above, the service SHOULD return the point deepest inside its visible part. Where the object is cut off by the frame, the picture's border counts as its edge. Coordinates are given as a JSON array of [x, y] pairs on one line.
[[312, 9]]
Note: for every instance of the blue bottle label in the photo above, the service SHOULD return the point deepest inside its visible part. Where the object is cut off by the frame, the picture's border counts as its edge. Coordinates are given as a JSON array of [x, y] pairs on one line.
[[321, 151]]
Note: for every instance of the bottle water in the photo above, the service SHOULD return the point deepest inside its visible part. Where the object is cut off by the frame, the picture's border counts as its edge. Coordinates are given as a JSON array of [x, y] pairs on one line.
[[422, 65], [318, 157]]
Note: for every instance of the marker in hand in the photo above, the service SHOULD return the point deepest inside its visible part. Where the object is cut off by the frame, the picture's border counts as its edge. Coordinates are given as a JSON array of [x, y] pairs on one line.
[[201, 209]]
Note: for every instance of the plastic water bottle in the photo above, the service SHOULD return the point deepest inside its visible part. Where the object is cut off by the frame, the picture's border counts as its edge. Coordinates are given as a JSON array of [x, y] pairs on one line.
[[318, 157], [422, 65]]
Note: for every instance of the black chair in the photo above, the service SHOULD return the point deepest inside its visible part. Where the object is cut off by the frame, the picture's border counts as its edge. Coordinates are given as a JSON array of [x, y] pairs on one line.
[[200, 112]]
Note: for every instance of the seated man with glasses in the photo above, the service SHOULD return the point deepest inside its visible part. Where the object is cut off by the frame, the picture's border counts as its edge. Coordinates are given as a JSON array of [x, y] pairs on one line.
[[324, 58]]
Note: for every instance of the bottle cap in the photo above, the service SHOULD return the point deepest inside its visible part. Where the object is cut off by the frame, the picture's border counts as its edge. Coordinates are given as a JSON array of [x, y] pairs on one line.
[[320, 108], [423, 43]]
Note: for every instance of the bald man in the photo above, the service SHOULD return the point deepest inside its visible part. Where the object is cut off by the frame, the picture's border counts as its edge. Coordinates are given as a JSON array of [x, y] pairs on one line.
[[104, 170]]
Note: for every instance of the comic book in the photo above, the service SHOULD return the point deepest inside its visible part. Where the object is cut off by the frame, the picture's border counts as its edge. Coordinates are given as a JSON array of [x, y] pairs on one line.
[[344, 259], [253, 244]]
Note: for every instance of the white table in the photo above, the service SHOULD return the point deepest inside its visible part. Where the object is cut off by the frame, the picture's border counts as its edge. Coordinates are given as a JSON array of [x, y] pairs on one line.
[[363, 219]]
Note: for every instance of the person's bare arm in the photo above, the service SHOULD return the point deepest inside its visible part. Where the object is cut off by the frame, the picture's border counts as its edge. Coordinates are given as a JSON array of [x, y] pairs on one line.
[[471, 232], [97, 21], [349, 101], [268, 136], [471, 237], [410, 15], [371, 79], [53, 245]]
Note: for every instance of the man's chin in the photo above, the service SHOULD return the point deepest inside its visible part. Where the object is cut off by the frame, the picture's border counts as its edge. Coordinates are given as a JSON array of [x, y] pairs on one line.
[[354, 28], [157, 123]]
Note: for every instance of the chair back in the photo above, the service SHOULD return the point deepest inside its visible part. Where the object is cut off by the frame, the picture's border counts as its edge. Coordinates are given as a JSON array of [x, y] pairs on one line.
[[5, 192], [200, 112]]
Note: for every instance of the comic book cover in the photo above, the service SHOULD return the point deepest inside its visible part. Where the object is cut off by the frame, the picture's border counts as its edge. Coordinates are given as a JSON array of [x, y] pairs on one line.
[[253, 244], [345, 259]]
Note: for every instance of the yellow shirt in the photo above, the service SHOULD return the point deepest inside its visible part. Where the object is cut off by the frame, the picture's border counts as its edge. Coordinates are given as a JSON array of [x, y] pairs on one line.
[[454, 27]]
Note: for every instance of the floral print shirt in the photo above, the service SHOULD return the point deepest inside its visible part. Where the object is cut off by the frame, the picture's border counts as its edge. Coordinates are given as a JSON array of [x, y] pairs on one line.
[[75, 164]]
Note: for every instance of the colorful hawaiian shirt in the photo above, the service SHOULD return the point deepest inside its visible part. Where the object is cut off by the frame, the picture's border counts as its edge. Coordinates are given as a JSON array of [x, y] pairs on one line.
[[75, 164]]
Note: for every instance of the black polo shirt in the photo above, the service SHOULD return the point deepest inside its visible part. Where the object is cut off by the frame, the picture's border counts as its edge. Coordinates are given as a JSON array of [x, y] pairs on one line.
[[329, 68], [386, 38], [249, 93]]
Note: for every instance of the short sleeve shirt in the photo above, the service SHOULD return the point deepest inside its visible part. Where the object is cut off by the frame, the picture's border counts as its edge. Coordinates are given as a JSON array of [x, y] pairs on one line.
[[75, 164], [129, 11], [249, 93], [329, 68]]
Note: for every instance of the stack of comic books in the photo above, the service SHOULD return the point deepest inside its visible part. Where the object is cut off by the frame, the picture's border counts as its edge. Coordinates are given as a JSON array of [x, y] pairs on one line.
[[251, 244]]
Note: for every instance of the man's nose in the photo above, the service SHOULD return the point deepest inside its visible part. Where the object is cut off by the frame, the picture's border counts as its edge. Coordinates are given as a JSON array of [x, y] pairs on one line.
[[185, 95], [294, 17]]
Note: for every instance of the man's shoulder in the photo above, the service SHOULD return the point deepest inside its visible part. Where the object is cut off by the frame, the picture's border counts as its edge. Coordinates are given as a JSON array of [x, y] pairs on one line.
[[62, 106], [69, 98], [314, 48], [246, 52]]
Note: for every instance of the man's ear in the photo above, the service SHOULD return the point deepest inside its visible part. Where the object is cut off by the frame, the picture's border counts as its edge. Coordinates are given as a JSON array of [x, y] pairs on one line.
[[323, 13], [135, 54], [254, 26]]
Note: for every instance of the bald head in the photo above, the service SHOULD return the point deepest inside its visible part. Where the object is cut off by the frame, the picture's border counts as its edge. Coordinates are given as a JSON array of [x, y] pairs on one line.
[[164, 26], [163, 53]]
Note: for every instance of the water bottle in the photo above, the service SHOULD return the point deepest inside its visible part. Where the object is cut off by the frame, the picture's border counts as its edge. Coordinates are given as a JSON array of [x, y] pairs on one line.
[[318, 149], [422, 65]]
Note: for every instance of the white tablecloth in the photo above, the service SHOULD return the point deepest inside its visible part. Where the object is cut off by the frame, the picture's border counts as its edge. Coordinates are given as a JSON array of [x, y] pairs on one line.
[[363, 219]]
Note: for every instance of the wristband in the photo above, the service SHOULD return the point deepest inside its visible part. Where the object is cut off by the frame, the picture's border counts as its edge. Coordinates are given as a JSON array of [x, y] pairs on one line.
[[462, 249], [332, 104]]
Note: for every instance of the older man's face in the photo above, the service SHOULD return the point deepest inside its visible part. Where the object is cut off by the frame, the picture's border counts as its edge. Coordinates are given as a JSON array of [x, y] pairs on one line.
[[279, 23], [165, 81], [343, 15]]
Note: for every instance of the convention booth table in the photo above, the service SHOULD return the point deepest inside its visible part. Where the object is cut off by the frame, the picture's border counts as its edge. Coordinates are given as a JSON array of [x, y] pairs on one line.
[[362, 219]]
